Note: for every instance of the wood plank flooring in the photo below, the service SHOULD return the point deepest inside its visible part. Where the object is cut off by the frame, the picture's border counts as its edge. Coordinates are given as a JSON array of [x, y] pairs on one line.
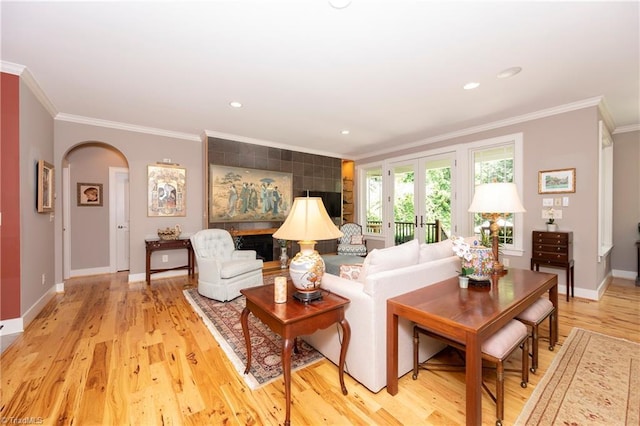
[[113, 353]]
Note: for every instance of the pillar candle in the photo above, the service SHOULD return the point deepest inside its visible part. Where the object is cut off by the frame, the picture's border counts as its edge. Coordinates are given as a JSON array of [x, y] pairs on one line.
[[280, 290]]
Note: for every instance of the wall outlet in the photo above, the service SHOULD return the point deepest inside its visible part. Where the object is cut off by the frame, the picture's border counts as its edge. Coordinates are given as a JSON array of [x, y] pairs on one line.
[[505, 261], [165, 258], [557, 202], [44, 279]]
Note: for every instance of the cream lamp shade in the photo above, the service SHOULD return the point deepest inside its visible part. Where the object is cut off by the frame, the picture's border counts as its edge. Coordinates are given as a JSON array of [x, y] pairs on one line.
[[307, 223], [494, 199]]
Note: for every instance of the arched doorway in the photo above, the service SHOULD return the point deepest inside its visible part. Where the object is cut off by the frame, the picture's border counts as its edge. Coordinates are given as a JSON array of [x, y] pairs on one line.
[[95, 210]]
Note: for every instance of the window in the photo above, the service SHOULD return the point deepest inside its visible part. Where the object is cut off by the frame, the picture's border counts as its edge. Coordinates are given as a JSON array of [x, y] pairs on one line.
[[494, 164], [373, 199]]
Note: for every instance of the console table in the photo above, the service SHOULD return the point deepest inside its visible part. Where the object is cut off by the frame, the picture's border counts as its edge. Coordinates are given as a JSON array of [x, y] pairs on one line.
[[156, 244], [555, 250]]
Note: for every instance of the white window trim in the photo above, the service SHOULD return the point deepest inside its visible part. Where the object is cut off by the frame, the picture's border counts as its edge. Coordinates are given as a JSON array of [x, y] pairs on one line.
[[605, 191]]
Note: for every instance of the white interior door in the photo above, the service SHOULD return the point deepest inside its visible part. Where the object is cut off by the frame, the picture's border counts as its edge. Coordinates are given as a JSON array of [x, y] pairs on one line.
[[119, 218]]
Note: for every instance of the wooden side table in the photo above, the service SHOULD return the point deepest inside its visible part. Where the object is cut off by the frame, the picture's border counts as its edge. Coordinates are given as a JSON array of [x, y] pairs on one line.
[[555, 250], [292, 319], [155, 244]]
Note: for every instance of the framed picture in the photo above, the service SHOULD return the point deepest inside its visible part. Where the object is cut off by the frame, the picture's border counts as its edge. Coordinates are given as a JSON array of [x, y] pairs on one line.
[[90, 194], [167, 190], [46, 187], [240, 195], [556, 181]]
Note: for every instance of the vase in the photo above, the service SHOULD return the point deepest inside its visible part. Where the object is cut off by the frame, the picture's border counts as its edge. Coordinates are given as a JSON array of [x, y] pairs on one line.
[[284, 258], [552, 227], [481, 262], [463, 281]]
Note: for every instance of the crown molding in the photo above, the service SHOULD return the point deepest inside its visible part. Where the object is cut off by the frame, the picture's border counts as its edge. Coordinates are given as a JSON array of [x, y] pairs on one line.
[[560, 109], [127, 127], [28, 79], [603, 108], [262, 142], [627, 129]]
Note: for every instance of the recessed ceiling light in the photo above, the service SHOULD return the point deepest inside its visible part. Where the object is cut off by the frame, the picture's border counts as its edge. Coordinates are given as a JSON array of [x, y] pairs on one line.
[[339, 4], [471, 85], [509, 72], [345, 132], [235, 104]]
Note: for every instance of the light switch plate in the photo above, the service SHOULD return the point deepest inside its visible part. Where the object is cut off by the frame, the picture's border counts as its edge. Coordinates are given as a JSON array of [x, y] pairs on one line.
[[565, 201], [547, 202], [557, 202]]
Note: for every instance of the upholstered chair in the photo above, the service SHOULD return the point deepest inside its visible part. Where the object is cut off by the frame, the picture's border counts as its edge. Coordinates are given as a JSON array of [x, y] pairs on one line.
[[352, 241], [496, 349], [222, 270], [533, 316]]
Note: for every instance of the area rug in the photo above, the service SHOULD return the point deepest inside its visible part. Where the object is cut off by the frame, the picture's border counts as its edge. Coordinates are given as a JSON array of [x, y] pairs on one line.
[[594, 380], [223, 321]]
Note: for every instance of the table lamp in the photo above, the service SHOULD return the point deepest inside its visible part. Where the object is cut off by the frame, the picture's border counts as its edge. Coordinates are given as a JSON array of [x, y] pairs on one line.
[[495, 199], [307, 223]]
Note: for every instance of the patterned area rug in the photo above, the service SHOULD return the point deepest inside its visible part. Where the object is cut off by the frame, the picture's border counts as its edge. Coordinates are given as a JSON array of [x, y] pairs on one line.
[[594, 380], [223, 320]]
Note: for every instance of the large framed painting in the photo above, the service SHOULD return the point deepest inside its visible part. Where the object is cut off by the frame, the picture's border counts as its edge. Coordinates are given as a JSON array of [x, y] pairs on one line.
[[167, 190], [240, 195]]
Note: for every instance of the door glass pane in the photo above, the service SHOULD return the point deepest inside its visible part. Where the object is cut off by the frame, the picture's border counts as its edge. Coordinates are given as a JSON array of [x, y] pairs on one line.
[[373, 200], [491, 165], [437, 199], [404, 215]]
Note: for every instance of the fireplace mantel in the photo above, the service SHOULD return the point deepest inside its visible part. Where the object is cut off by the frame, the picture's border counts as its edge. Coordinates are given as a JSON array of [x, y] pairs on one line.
[[244, 232]]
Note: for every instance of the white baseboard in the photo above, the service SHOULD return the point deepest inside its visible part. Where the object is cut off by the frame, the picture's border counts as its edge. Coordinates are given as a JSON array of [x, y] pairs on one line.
[[17, 325], [628, 275], [89, 271]]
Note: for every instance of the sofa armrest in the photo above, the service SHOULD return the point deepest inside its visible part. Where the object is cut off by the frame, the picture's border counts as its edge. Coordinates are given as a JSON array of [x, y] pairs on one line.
[[352, 290]]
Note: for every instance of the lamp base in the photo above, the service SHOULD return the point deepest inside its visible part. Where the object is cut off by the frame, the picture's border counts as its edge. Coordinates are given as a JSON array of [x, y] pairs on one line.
[[307, 296]]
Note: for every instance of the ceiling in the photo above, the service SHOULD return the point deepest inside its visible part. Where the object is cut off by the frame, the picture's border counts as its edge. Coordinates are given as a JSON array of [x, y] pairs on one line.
[[391, 72]]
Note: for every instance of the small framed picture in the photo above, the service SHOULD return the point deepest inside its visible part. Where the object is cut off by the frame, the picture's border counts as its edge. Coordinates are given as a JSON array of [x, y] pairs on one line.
[[90, 194], [556, 181], [46, 187]]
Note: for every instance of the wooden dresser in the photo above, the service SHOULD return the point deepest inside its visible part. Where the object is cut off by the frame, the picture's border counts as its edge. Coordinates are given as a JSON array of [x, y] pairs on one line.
[[554, 250]]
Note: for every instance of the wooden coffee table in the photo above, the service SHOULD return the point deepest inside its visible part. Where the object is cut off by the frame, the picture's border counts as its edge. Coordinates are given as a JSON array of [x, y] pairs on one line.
[[293, 319], [467, 316]]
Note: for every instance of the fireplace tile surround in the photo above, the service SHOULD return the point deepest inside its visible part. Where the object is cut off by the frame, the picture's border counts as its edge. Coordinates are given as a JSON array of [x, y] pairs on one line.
[[310, 172]]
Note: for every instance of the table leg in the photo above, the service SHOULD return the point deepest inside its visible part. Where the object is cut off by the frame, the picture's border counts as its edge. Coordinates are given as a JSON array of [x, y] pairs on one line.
[[148, 270], [392, 352], [287, 346], [473, 377], [573, 282], [568, 274], [346, 336], [553, 297], [244, 320]]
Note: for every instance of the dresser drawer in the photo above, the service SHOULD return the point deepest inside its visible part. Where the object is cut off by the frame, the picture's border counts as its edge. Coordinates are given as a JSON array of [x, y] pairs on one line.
[[551, 237], [551, 257], [552, 248]]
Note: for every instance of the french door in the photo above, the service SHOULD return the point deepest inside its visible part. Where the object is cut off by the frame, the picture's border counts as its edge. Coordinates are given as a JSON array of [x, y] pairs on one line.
[[421, 200]]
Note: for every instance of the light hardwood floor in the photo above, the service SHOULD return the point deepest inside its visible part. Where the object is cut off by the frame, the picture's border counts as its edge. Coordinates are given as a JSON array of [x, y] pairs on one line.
[[109, 352]]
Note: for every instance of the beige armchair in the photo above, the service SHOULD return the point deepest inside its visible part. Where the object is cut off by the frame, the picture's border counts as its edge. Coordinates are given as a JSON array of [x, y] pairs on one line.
[[222, 270]]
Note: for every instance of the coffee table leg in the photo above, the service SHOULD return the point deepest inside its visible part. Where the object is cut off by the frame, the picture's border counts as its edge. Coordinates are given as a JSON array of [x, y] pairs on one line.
[[287, 346], [244, 320], [346, 331]]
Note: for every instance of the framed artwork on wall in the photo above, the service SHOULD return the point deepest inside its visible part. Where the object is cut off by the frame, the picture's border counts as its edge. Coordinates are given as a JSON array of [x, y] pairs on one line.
[[241, 195], [89, 194], [557, 181], [167, 190], [46, 187]]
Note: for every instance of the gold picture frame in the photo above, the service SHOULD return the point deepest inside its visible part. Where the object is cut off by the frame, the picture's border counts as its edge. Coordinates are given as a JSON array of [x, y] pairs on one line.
[[167, 190], [46, 187], [558, 181], [89, 194]]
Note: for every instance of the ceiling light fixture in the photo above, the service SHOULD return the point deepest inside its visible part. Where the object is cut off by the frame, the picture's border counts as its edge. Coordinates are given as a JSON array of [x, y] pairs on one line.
[[509, 72], [345, 132], [471, 85], [235, 104], [339, 4]]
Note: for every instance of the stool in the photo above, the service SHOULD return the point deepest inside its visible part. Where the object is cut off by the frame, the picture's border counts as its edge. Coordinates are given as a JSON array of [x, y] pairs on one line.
[[496, 349], [533, 317]]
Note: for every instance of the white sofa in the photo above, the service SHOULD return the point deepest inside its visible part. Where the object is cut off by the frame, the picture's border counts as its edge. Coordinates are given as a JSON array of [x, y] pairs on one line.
[[385, 273]]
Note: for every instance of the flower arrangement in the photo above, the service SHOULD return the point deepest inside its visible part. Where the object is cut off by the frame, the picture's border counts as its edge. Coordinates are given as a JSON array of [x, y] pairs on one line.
[[550, 215], [477, 260], [283, 243], [462, 249]]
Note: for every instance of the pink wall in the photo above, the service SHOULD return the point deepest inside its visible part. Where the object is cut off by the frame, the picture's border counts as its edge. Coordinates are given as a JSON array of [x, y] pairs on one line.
[[10, 197]]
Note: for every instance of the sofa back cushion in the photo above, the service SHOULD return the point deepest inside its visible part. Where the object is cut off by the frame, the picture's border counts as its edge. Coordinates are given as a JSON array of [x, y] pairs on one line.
[[379, 260], [435, 251]]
